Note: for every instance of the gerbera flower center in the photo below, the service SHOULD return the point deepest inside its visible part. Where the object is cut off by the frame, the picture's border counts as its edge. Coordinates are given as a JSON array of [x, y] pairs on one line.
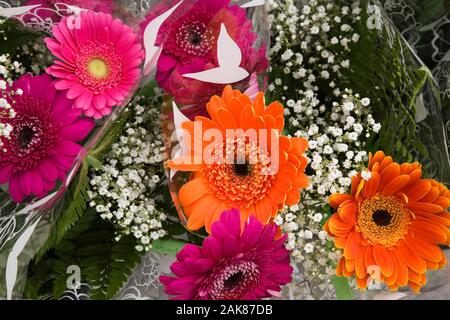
[[231, 279], [98, 68], [241, 169], [240, 184], [383, 220], [32, 136], [195, 38], [25, 136]]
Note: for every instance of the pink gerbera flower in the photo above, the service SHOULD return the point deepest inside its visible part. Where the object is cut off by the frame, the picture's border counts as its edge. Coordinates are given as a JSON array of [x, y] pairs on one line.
[[235, 263], [99, 62], [42, 144]]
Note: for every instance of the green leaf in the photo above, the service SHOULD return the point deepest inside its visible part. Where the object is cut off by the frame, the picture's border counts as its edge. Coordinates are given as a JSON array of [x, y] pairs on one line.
[[75, 204], [94, 162], [343, 291], [15, 36], [168, 246]]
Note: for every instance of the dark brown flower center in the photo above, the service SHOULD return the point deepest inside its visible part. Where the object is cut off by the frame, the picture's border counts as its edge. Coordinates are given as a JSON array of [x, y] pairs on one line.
[[233, 280], [25, 137], [382, 218], [241, 169]]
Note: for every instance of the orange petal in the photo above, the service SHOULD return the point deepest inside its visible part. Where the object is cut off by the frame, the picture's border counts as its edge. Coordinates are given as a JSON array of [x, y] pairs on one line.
[[337, 227], [299, 145], [353, 245], [422, 206], [355, 183], [402, 270], [416, 175], [391, 172], [392, 279], [431, 196], [259, 104], [443, 202], [200, 212], [227, 94], [340, 266], [378, 157], [210, 213], [362, 282], [347, 211], [424, 249], [236, 108], [410, 258], [337, 198], [215, 215], [386, 162], [384, 260], [185, 164], [371, 186], [300, 181], [226, 119], [192, 191], [396, 184], [340, 242], [275, 109], [437, 219], [293, 197], [428, 231], [369, 260], [414, 287], [360, 267], [264, 210], [277, 196], [418, 190], [279, 122]]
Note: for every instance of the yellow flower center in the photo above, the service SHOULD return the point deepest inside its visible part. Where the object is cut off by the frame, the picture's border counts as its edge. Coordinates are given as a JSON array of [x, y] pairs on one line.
[[383, 220], [97, 68]]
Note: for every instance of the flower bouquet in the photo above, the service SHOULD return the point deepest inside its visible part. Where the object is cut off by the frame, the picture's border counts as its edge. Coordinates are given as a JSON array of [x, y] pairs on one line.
[[267, 149]]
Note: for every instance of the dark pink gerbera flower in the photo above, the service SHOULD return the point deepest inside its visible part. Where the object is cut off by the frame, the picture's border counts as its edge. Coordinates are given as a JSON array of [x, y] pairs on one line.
[[98, 62], [42, 145], [189, 41], [234, 263]]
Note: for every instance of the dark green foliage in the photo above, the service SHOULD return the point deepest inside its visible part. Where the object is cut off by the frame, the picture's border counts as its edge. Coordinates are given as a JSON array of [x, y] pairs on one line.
[[13, 36], [105, 263]]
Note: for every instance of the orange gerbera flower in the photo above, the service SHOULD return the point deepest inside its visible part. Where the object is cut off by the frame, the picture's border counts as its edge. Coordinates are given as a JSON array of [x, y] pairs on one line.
[[394, 221], [246, 184]]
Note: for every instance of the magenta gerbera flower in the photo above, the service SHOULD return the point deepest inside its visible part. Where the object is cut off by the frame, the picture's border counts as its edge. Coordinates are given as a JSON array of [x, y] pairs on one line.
[[233, 264], [99, 62], [42, 145]]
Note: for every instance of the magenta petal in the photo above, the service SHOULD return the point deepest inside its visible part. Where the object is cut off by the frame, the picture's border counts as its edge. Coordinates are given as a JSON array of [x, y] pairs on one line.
[[189, 250], [5, 173], [212, 247], [47, 170], [67, 148], [77, 131], [26, 182], [15, 190]]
